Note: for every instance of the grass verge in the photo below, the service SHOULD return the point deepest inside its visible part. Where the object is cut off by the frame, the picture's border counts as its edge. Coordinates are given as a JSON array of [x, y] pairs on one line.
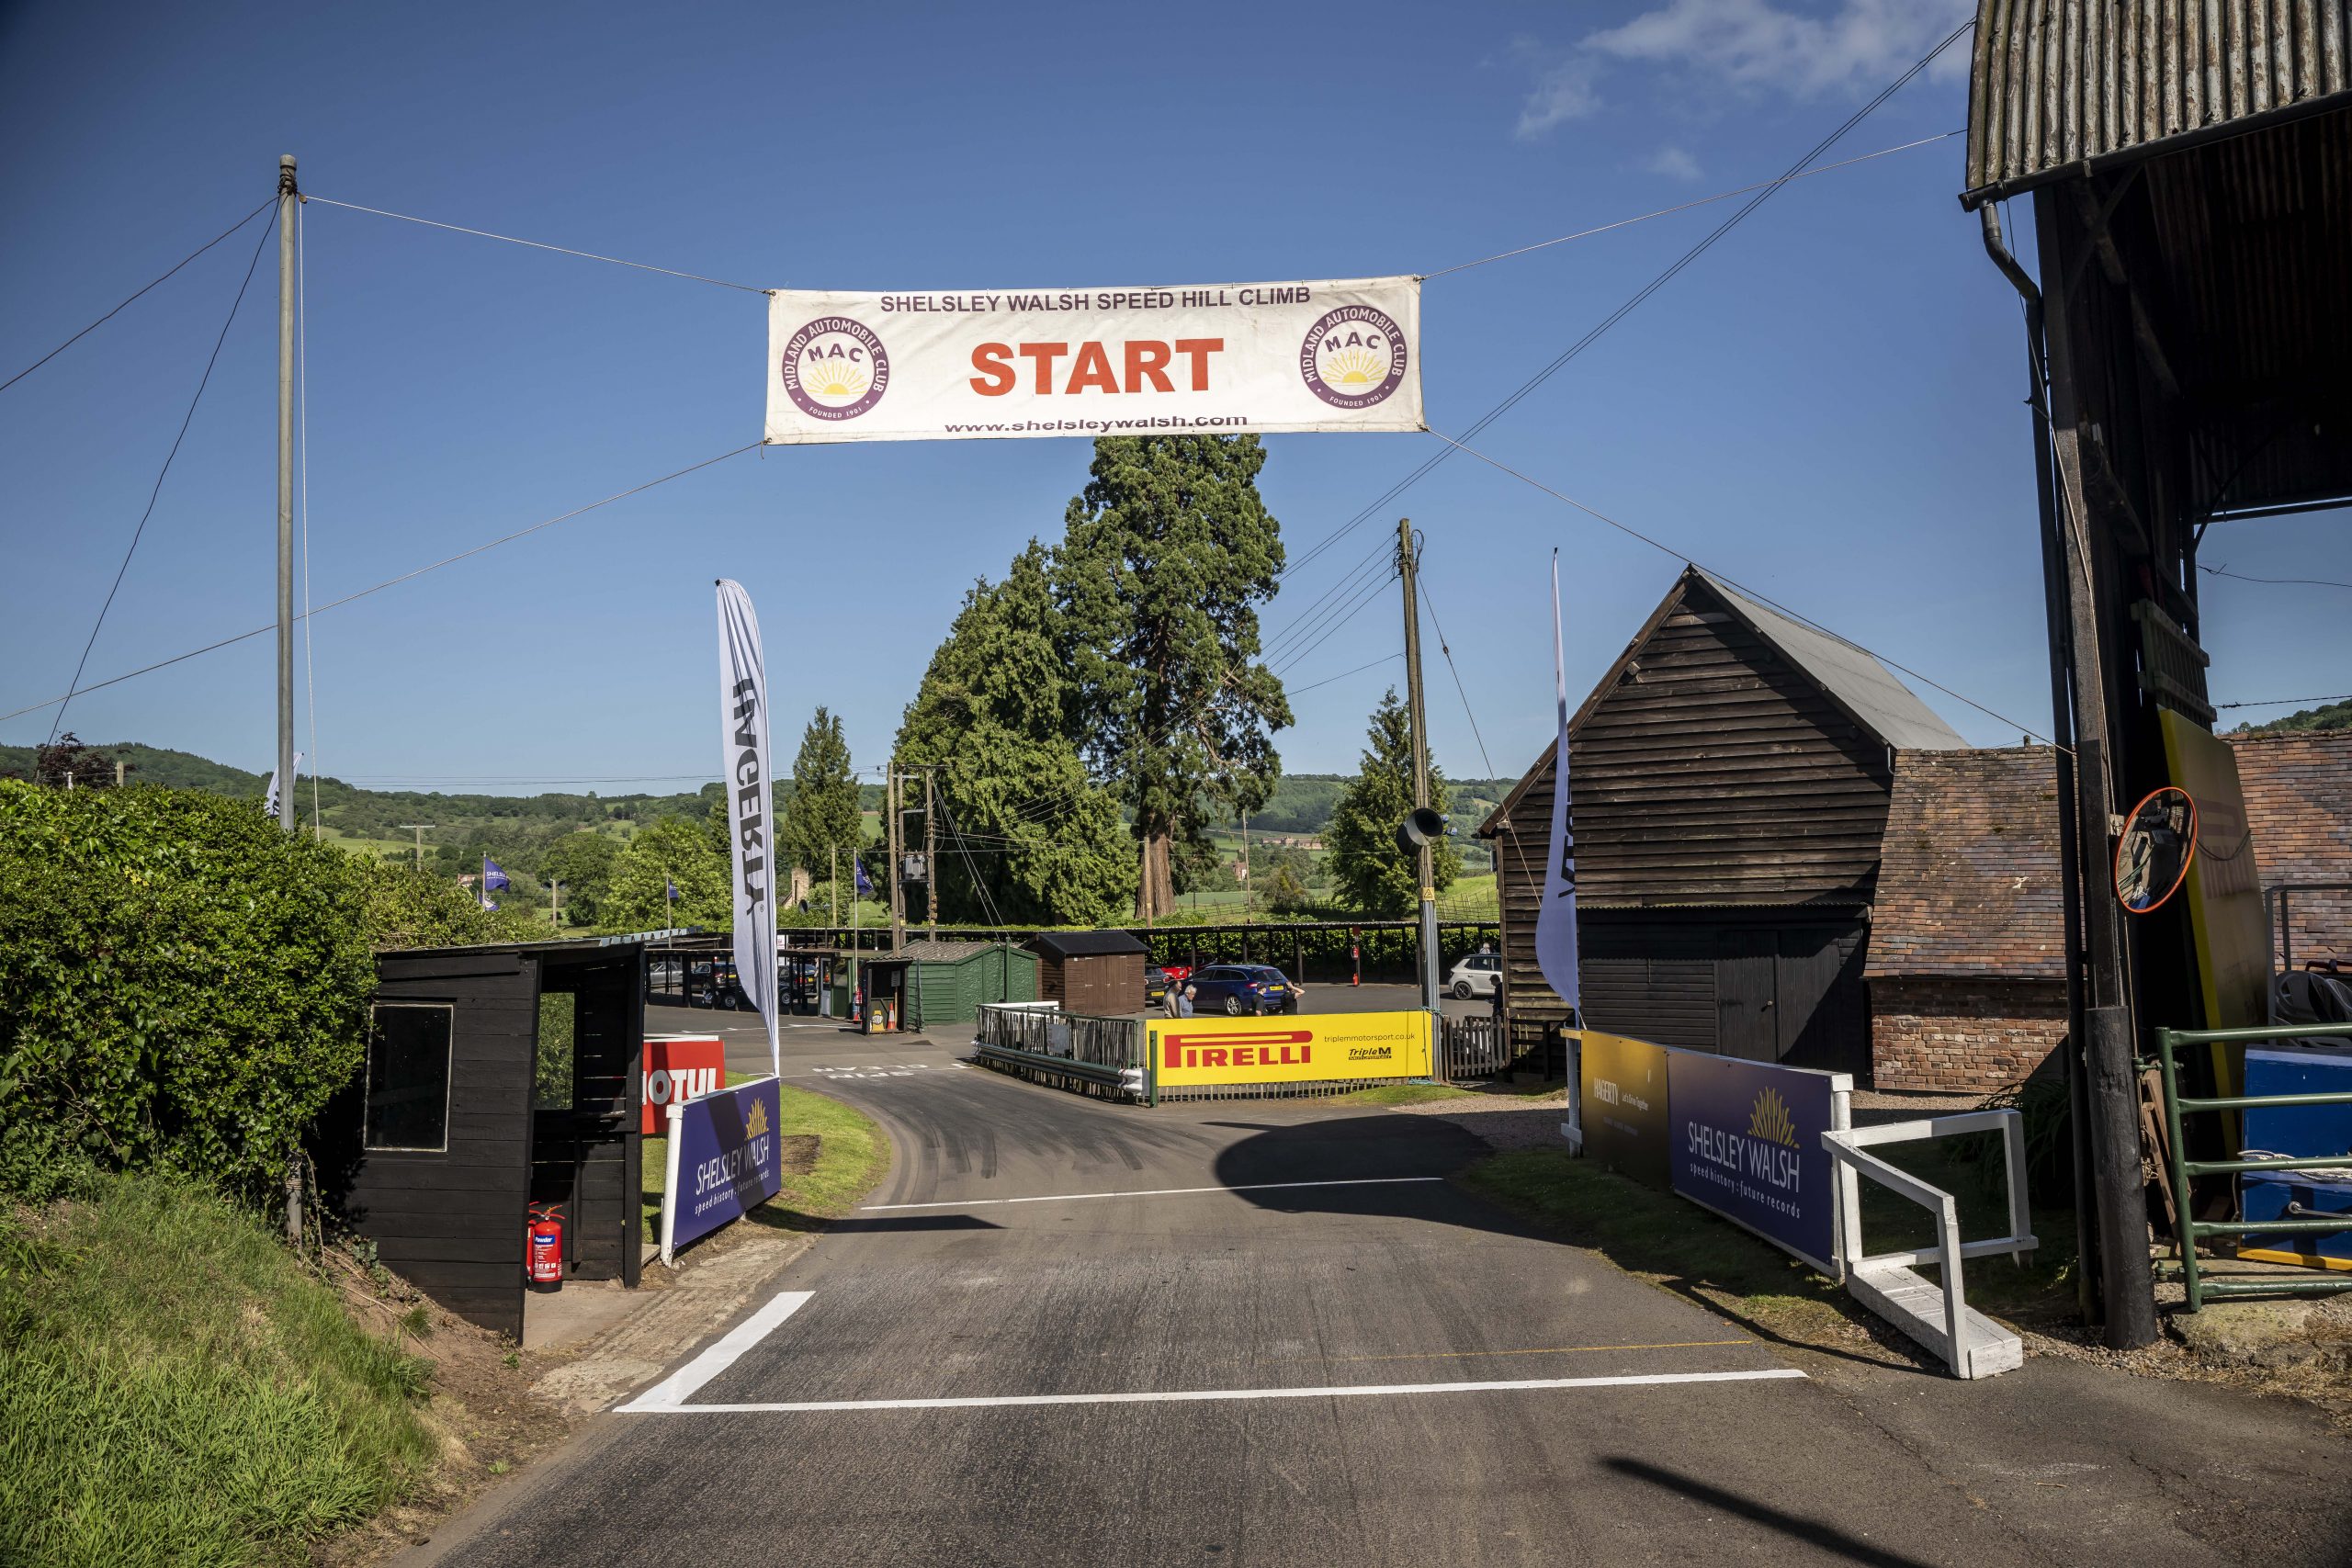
[[1403, 1094], [175, 1390], [852, 1155], [1673, 1243]]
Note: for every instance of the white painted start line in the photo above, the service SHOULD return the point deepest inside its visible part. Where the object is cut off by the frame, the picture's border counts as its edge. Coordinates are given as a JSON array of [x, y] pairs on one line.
[[671, 1396], [1156, 1192]]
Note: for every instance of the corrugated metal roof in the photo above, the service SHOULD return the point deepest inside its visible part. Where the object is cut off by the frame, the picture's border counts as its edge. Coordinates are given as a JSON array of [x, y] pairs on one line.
[[2056, 84], [940, 950], [1866, 688]]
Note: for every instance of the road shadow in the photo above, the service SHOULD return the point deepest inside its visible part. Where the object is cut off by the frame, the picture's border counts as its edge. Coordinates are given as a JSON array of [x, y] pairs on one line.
[[1353, 1166], [1796, 1527]]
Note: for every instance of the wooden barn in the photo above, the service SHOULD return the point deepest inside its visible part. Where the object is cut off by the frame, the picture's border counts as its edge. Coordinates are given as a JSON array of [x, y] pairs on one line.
[[1732, 773], [495, 1077], [1099, 973]]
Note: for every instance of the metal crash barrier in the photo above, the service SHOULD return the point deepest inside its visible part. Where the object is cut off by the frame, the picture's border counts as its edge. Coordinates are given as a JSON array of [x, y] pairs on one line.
[[2189, 1230], [1037, 1040]]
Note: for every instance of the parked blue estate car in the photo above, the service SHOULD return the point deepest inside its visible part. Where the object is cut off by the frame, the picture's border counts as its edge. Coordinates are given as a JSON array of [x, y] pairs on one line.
[[1242, 987]]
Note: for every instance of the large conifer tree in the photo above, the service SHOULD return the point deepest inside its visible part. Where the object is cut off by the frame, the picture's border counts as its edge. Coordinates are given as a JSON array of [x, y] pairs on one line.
[[1166, 553], [820, 814], [1370, 871], [1024, 834]]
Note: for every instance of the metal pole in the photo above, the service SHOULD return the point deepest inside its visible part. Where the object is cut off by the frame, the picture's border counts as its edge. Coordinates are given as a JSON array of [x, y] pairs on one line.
[[833, 883], [287, 197], [931, 850], [1424, 860], [896, 839]]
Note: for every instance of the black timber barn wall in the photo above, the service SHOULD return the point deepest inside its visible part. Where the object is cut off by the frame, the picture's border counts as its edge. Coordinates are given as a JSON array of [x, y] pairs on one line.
[[452, 1222], [1727, 824]]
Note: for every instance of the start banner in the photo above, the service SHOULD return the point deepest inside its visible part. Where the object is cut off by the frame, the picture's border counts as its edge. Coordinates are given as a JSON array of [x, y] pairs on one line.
[[1290, 1048], [1225, 358]]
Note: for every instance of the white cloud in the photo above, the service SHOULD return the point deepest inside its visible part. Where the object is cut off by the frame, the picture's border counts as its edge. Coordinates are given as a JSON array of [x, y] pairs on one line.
[[1562, 90], [1754, 44], [1673, 162]]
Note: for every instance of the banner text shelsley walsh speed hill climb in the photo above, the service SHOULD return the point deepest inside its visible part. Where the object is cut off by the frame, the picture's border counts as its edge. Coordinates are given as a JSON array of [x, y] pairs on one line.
[[1263, 357]]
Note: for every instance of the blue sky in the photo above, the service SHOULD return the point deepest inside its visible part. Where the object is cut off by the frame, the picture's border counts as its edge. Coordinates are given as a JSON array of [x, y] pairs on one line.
[[1826, 406]]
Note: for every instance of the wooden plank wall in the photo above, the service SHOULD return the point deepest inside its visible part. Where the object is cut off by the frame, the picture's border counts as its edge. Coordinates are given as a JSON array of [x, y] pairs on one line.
[[452, 1224], [1103, 984], [610, 1029], [1710, 772]]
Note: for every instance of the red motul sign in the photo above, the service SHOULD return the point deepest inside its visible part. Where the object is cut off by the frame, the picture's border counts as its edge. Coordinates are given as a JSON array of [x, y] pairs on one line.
[[678, 1067]]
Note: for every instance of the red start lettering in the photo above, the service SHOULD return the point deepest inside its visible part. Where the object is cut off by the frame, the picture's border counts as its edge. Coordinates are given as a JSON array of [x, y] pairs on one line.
[[1141, 363]]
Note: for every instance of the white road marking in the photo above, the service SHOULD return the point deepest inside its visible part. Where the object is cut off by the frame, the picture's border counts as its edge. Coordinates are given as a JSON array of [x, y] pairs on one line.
[[1158, 1192], [1189, 1396], [671, 1391]]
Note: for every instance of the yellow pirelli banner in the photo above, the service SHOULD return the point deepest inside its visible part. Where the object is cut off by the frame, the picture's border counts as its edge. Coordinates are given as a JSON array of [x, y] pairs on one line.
[[1290, 1048]]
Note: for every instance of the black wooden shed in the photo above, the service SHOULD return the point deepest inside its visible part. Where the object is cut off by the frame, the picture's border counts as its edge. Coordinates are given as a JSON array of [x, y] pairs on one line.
[[495, 1077], [1730, 774]]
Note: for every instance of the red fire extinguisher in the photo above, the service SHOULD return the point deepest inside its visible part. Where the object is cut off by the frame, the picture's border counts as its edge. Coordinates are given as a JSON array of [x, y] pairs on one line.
[[546, 1259], [1356, 956]]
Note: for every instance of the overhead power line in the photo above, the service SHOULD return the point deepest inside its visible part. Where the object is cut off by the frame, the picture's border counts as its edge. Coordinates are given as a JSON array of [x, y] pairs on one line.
[[1384, 658], [110, 315], [536, 245], [1764, 598], [379, 588], [155, 492], [2278, 581], [2288, 702], [1687, 206], [1763, 193]]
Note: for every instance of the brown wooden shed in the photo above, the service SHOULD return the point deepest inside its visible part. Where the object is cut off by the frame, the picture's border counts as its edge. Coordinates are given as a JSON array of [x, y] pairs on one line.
[[1731, 776], [1090, 972]]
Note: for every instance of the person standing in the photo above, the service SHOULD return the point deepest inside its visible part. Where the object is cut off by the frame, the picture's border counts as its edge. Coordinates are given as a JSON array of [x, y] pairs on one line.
[[1184, 1003]]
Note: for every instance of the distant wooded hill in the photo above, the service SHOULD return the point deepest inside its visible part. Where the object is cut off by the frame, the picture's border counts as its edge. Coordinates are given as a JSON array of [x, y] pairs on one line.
[[517, 829], [2334, 715]]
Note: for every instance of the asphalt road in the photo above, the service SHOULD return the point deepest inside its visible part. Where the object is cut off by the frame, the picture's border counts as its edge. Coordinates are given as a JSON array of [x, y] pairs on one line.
[[1124, 1374]]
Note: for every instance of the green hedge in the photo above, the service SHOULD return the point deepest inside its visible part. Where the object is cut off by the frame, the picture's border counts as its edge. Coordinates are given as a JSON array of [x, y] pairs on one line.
[[181, 983]]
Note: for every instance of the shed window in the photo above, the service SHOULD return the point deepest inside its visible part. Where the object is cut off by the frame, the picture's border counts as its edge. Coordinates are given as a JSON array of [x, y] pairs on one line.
[[408, 1077]]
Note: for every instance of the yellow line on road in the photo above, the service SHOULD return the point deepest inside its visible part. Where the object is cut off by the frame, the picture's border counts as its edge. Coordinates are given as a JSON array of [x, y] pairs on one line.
[[1547, 1350]]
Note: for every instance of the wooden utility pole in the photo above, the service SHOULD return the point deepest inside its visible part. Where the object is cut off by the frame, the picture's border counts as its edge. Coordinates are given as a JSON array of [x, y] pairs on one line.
[[555, 903], [833, 881], [417, 827], [931, 850], [1424, 860], [896, 839]]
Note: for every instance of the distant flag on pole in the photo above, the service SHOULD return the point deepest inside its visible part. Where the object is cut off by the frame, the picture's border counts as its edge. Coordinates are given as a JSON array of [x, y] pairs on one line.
[[1555, 917], [864, 886], [269, 801], [493, 880], [670, 888], [743, 751]]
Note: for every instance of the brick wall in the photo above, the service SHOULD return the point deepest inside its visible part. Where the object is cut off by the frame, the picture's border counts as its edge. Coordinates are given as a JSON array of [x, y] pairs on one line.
[[1971, 1035], [2299, 802]]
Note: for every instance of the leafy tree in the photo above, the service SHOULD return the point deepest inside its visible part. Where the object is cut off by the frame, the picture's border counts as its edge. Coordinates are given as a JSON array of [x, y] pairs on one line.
[[1024, 834], [2332, 716], [1166, 555], [820, 815], [181, 983], [65, 762], [686, 851], [1370, 870], [584, 863]]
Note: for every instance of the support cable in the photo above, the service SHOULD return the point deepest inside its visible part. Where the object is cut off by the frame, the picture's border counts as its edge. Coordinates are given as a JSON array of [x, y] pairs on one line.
[[389, 582], [1458, 686], [536, 245], [2276, 581], [110, 315], [152, 495]]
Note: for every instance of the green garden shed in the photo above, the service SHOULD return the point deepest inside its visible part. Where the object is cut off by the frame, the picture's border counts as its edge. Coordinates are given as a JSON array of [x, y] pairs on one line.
[[949, 980]]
